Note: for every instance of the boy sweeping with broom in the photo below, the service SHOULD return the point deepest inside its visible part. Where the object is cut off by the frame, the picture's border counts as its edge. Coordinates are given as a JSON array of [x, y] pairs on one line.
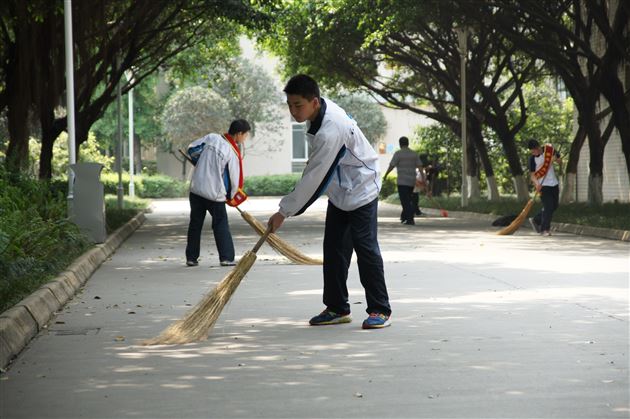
[[345, 166]]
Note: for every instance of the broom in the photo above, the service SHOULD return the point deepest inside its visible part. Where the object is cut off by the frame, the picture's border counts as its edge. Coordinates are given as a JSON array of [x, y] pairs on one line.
[[278, 244], [198, 322], [518, 221], [274, 240]]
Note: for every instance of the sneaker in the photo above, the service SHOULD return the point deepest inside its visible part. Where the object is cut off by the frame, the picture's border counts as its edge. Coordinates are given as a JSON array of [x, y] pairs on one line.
[[330, 317], [546, 233], [535, 226], [409, 222], [191, 262], [377, 321], [228, 263]]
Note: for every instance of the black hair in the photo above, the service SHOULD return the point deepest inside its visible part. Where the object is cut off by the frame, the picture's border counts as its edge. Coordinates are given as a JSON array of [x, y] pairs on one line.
[[532, 144], [239, 125], [302, 85], [403, 141]]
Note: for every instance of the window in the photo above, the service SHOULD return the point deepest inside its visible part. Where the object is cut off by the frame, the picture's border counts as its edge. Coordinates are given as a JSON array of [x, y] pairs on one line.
[[300, 147]]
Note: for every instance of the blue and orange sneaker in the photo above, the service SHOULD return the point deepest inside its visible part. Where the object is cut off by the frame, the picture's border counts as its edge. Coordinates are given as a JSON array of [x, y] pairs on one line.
[[327, 317], [377, 321]]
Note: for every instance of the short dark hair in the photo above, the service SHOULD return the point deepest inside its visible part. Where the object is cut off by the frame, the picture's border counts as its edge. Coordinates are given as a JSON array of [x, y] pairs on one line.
[[302, 85], [239, 125], [532, 144], [403, 141]]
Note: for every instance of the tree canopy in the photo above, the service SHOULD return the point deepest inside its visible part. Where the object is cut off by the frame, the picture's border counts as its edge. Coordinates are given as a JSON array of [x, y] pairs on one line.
[[406, 53], [110, 38]]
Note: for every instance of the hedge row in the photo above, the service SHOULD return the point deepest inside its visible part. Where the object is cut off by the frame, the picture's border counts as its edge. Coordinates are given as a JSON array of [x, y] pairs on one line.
[[161, 186]]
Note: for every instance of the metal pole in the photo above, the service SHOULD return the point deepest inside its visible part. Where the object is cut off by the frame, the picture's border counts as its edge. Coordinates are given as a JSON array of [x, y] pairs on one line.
[[132, 190], [67, 12], [462, 34], [119, 144]]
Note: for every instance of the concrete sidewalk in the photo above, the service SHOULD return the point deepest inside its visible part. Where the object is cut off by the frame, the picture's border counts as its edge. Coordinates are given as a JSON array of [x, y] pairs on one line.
[[483, 326]]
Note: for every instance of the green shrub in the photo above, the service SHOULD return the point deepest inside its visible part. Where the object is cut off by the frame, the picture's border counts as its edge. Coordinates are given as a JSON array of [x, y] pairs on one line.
[[115, 217], [389, 187], [157, 186], [36, 239], [271, 185], [161, 186]]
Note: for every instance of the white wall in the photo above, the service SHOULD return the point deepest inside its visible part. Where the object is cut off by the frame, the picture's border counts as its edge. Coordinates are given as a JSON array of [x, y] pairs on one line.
[[259, 162], [616, 182]]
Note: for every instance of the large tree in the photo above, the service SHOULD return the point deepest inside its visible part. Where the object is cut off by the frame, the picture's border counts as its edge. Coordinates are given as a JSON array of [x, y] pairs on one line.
[[406, 53], [567, 35], [109, 39]]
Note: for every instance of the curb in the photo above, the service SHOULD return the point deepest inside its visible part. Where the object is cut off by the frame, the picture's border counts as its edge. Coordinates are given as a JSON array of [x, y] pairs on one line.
[[22, 322], [580, 230]]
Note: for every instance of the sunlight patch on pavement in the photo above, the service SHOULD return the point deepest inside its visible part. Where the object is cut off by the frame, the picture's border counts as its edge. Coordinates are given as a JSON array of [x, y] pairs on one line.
[[535, 294]]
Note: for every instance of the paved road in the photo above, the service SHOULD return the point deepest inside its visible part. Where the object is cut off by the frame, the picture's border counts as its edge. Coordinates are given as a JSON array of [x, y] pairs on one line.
[[485, 326]]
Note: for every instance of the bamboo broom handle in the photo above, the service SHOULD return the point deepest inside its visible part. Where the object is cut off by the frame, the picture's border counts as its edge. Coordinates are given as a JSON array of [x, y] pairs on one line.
[[262, 239]]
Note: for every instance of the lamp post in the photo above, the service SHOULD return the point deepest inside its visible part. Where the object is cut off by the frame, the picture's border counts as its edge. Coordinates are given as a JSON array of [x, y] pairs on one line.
[[67, 12], [462, 36], [119, 143], [132, 190]]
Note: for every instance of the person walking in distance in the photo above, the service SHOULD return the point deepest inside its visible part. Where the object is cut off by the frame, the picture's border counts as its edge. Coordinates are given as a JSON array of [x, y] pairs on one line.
[[343, 164], [543, 176], [406, 161], [216, 180]]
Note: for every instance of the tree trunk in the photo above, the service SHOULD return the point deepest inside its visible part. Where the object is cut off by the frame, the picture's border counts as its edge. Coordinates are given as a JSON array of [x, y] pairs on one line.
[[514, 162], [472, 169], [596, 164], [568, 191], [613, 91], [474, 191], [476, 135], [520, 185], [18, 91], [17, 117], [595, 189], [48, 139], [493, 189]]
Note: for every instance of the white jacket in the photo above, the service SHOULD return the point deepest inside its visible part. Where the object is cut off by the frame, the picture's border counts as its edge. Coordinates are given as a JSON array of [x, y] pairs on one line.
[[342, 163], [217, 169]]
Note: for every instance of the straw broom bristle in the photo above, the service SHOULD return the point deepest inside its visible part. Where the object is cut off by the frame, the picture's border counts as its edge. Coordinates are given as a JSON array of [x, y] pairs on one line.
[[514, 225], [198, 322], [280, 245]]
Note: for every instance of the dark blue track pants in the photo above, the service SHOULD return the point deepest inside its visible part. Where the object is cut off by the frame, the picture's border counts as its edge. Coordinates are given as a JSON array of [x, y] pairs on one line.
[[347, 231], [220, 228]]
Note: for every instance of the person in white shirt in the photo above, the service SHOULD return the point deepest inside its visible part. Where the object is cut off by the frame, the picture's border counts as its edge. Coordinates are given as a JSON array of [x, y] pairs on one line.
[[216, 180], [543, 176], [344, 165]]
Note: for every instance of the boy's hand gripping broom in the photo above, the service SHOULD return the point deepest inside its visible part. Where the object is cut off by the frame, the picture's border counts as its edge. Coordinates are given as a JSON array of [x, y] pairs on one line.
[[514, 225], [200, 319]]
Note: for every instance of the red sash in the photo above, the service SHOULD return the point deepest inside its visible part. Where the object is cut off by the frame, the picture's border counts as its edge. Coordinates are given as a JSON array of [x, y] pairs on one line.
[[240, 196], [548, 156]]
